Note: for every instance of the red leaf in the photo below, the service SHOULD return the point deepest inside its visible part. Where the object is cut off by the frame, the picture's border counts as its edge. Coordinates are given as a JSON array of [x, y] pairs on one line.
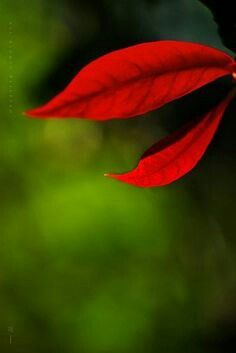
[[137, 79], [176, 154]]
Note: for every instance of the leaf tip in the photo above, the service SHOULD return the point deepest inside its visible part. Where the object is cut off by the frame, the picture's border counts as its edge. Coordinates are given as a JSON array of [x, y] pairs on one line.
[[110, 175], [124, 178], [30, 113], [39, 112], [113, 176]]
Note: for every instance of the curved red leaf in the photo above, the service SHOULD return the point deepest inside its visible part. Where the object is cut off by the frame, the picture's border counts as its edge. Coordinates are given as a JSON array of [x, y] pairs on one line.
[[137, 79], [176, 154]]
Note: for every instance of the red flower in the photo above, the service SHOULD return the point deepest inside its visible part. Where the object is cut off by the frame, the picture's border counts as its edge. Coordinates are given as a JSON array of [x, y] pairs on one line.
[[135, 80]]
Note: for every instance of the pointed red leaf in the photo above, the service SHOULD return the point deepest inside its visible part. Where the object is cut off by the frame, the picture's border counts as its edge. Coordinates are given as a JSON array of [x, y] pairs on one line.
[[176, 154], [137, 79]]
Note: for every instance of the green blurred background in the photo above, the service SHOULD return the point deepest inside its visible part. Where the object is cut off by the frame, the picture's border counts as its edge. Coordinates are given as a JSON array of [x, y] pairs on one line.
[[88, 264]]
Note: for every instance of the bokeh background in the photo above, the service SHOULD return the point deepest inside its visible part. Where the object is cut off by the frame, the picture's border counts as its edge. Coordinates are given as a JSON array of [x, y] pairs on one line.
[[88, 264]]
